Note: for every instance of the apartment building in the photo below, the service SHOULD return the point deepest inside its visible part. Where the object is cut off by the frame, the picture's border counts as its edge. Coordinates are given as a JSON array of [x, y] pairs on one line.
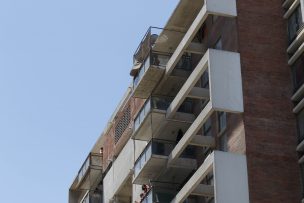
[[215, 112]]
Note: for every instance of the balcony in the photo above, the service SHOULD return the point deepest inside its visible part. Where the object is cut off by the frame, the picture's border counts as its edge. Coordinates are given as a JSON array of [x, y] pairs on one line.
[[224, 93], [118, 180], [230, 182], [152, 117], [225, 8], [151, 57], [89, 174], [154, 158]]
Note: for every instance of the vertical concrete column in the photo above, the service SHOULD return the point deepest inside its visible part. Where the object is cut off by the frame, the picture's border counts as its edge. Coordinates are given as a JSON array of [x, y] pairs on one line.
[[302, 9]]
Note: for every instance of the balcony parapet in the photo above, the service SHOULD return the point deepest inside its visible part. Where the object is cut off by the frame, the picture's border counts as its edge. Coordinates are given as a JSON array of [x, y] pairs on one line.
[[152, 116], [154, 158], [151, 57], [230, 182]]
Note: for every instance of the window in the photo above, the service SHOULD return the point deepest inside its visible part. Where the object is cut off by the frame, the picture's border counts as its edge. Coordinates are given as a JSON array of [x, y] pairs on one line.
[[218, 44], [222, 121], [302, 178], [298, 73], [223, 142], [300, 122], [205, 80], [294, 24], [207, 128]]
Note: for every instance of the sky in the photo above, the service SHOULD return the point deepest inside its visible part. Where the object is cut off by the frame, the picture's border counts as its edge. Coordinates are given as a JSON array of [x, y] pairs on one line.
[[64, 66]]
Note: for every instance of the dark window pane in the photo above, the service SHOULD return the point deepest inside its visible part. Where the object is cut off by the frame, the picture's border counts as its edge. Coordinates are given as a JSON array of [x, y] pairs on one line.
[[222, 121], [298, 73], [300, 121], [294, 23]]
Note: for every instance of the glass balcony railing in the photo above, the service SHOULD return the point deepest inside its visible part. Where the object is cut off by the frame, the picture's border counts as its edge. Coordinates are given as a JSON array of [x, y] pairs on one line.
[[155, 59], [159, 103], [158, 148], [94, 161]]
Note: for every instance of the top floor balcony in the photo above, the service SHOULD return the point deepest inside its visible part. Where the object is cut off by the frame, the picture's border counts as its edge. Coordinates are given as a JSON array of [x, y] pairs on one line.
[[151, 58]]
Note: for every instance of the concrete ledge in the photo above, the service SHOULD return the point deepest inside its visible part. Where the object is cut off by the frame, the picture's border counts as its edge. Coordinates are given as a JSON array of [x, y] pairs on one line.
[[291, 9]]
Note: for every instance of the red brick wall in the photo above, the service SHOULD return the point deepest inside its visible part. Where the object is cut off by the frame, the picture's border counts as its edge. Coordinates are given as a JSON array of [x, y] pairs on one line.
[[270, 130], [110, 149]]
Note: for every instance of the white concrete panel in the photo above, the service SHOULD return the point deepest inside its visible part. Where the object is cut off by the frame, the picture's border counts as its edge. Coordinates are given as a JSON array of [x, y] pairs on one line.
[[225, 78], [230, 178], [108, 188], [222, 7], [136, 192], [119, 173], [139, 147], [123, 166]]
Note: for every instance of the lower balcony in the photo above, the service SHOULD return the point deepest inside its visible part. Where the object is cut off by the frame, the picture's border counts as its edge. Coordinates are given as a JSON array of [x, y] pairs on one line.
[[152, 118], [229, 180], [154, 159]]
